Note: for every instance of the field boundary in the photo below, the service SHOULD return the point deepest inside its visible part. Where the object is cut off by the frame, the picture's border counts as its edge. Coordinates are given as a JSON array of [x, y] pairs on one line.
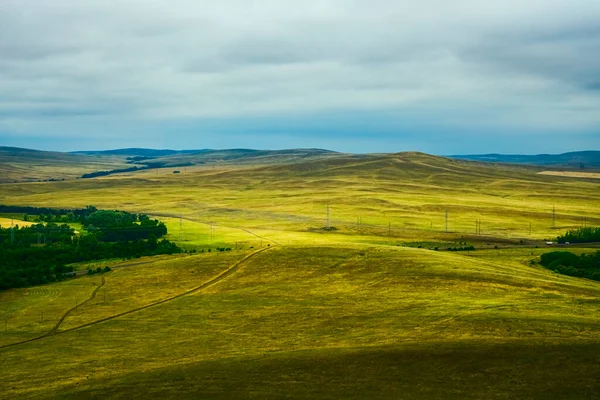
[[54, 331]]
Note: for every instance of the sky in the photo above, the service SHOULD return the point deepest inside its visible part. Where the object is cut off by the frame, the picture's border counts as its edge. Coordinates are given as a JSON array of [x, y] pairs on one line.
[[438, 76]]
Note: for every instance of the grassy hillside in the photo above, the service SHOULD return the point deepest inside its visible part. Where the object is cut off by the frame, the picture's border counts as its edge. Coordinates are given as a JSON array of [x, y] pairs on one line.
[[20, 165], [367, 309], [324, 321], [400, 195]]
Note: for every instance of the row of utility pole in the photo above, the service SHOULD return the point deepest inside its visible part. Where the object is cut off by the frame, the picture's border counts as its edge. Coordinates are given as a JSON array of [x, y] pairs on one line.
[[478, 222], [359, 224]]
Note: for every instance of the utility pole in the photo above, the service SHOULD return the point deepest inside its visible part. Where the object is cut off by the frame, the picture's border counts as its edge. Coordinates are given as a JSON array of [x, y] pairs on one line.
[[553, 217], [446, 220], [181, 228]]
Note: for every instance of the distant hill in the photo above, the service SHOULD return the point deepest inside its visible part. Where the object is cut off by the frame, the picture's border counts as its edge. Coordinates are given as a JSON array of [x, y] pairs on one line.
[[137, 152], [246, 156], [229, 154], [18, 164], [577, 159]]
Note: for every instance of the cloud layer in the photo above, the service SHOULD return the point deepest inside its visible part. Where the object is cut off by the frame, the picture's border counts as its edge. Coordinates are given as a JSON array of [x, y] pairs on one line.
[[341, 73]]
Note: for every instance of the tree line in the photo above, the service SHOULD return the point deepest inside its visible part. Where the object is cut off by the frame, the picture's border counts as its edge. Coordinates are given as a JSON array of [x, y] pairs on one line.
[[581, 235], [107, 225], [146, 165], [567, 263], [42, 252]]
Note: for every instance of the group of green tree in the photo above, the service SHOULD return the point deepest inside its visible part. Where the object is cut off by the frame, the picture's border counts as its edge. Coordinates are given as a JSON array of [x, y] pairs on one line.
[[567, 263], [581, 235], [42, 252], [49, 214], [116, 226], [108, 226], [465, 248], [146, 165], [110, 172]]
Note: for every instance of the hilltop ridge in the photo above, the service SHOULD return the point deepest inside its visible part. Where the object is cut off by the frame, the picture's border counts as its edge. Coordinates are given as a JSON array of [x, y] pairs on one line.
[[589, 159]]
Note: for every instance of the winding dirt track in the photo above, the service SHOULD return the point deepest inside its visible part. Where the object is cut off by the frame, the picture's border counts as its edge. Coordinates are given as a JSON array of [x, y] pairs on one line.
[[61, 320], [218, 278]]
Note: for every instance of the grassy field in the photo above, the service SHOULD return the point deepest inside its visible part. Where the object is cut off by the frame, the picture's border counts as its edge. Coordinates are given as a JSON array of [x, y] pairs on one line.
[[403, 196], [8, 222], [372, 320], [365, 310], [23, 165]]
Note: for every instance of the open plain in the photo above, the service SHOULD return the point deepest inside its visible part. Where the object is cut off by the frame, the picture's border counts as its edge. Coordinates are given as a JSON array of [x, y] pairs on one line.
[[338, 284]]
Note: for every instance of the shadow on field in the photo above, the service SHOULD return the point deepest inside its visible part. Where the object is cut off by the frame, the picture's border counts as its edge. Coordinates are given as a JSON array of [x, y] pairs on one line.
[[466, 370]]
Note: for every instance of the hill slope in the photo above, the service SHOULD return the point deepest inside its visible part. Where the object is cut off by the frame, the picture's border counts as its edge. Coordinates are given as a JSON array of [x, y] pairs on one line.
[[17, 164], [575, 160], [320, 322]]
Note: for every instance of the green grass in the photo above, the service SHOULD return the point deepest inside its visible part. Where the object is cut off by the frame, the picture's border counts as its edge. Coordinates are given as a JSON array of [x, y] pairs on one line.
[[407, 371], [412, 192], [294, 306], [359, 312], [31, 312]]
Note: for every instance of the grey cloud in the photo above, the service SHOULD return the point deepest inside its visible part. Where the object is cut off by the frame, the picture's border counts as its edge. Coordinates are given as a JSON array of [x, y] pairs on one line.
[[530, 64]]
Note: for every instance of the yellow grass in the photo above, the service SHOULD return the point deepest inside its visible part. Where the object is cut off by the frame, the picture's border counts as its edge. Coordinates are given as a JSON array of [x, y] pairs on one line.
[[291, 299], [8, 222], [346, 313], [30, 312], [410, 194], [572, 174]]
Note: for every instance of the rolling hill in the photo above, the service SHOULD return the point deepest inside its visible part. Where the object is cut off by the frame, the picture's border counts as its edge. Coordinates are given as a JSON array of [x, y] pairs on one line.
[[573, 160], [18, 165], [379, 306]]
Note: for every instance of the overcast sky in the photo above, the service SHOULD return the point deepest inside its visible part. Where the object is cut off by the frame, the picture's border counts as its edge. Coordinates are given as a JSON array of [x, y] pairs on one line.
[[439, 76]]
